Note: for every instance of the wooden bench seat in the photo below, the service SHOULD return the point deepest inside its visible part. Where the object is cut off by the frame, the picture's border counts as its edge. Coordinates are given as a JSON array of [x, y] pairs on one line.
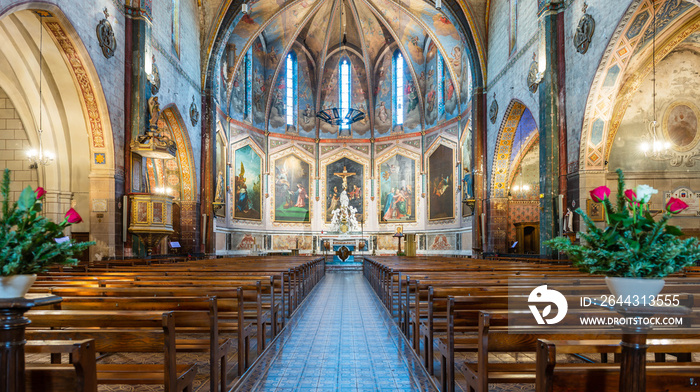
[[596, 377], [120, 332], [78, 376]]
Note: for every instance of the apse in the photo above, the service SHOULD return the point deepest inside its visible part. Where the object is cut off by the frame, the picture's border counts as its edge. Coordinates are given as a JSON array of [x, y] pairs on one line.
[[408, 67]]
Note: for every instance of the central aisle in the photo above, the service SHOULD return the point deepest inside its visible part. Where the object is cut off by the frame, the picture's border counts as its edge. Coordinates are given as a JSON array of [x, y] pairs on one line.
[[340, 339]]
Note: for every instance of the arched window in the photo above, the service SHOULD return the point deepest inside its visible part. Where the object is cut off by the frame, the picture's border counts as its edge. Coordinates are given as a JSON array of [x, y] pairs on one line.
[[248, 66], [345, 101], [440, 85], [398, 88], [175, 27], [291, 84]]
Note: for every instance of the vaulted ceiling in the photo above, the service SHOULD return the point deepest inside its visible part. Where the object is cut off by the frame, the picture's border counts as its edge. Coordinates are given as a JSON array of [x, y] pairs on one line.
[[472, 15]]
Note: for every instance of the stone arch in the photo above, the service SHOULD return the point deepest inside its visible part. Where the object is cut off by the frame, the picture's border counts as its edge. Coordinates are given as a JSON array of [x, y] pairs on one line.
[[507, 137], [74, 106], [185, 156], [611, 89]]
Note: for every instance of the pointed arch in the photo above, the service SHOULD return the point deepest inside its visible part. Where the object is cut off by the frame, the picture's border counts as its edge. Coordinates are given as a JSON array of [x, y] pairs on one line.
[[611, 89], [512, 126], [185, 156]]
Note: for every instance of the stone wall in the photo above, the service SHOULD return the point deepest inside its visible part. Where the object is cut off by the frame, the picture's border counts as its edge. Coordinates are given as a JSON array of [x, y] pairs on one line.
[[13, 147]]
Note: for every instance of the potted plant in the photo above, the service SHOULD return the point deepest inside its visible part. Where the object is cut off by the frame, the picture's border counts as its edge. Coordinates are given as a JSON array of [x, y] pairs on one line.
[[29, 242], [634, 251]]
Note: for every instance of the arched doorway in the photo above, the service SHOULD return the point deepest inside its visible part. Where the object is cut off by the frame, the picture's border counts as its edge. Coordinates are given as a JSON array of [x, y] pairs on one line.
[[73, 117], [514, 220]]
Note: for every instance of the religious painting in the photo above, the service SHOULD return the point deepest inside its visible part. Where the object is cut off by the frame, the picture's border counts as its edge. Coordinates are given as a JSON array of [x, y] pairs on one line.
[[397, 184], [681, 126], [247, 184], [595, 211], [441, 184], [344, 175], [291, 190]]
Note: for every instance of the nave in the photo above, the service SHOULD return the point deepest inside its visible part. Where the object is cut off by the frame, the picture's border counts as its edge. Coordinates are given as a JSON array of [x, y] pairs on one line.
[[341, 339]]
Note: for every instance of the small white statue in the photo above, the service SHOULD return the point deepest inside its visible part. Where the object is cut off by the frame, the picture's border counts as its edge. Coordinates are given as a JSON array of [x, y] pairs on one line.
[[344, 200]]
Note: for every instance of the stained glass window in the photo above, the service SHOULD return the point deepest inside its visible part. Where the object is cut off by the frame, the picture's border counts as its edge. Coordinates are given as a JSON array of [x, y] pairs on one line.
[[249, 84], [440, 85], [398, 94], [290, 84], [175, 32], [345, 91]]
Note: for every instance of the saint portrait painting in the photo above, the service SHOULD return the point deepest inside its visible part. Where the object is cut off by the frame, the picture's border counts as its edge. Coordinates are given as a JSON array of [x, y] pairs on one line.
[[441, 184], [344, 175], [397, 186], [291, 190], [247, 188]]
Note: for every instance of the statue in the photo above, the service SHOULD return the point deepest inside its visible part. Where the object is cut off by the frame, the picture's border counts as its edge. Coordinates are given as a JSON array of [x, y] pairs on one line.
[[219, 195], [154, 111], [344, 200]]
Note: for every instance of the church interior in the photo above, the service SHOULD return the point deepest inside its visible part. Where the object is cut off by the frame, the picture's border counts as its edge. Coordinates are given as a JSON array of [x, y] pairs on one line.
[[351, 195]]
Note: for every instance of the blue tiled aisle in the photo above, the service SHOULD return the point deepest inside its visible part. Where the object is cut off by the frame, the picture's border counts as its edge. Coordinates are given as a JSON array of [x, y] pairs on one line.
[[341, 339]]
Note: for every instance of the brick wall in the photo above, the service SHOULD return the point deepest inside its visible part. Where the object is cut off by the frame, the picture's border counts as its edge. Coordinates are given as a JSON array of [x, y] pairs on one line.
[[13, 146]]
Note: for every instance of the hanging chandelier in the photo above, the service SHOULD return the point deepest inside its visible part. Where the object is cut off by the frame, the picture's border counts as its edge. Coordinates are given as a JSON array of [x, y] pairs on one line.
[[654, 145], [40, 157], [343, 116]]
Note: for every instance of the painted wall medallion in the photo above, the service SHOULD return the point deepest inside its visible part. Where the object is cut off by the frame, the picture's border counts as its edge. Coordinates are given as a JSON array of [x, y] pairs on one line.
[[105, 36], [584, 31], [194, 113], [680, 126], [493, 110]]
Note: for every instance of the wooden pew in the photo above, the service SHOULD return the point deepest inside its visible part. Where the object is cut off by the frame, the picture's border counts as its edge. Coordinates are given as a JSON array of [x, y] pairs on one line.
[[194, 315], [598, 377], [496, 336], [80, 375], [120, 332], [239, 309]]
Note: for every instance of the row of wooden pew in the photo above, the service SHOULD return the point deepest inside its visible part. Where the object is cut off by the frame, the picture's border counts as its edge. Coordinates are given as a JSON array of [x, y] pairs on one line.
[[449, 305], [221, 310]]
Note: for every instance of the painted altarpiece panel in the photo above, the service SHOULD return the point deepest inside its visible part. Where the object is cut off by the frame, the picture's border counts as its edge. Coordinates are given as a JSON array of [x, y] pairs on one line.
[[344, 172], [292, 189], [441, 183], [247, 180], [397, 187]]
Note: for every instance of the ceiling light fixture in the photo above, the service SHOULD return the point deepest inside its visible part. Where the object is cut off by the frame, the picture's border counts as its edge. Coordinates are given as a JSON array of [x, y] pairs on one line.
[[655, 145], [40, 157]]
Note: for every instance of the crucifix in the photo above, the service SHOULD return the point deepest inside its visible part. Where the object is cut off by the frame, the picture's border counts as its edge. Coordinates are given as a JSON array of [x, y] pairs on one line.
[[344, 176]]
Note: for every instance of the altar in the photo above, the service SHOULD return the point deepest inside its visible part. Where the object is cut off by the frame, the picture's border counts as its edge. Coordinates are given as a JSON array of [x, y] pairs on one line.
[[344, 250]]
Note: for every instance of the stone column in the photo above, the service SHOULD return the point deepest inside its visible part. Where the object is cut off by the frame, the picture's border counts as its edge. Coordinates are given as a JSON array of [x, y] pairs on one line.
[[136, 88], [551, 23], [479, 166], [498, 224], [208, 178]]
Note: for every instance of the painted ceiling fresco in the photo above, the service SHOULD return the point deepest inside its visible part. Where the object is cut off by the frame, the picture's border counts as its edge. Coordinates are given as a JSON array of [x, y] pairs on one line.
[[367, 31]]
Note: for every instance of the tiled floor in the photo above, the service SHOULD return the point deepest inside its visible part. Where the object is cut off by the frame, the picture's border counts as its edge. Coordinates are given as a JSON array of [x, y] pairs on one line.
[[341, 339]]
